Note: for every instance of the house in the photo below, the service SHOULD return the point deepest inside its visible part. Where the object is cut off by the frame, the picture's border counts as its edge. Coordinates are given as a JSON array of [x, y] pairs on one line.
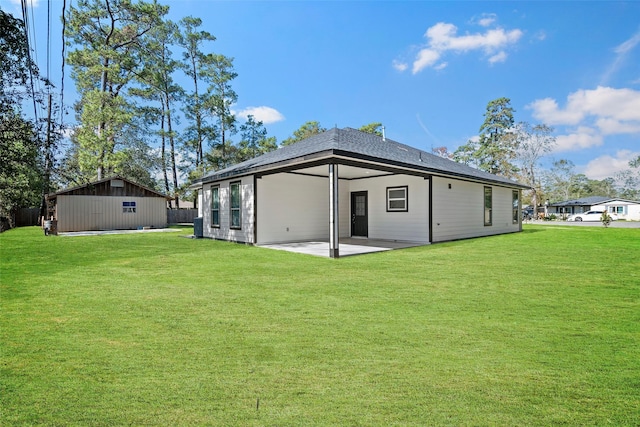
[[624, 209], [347, 183], [570, 207], [108, 204]]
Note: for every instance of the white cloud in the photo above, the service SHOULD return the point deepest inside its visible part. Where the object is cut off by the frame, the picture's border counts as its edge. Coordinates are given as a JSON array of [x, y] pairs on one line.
[[611, 126], [263, 114], [486, 19], [581, 138], [607, 166], [621, 51], [498, 57], [425, 58], [588, 118], [399, 65], [614, 111], [443, 38], [628, 45], [540, 35], [547, 111], [441, 66]]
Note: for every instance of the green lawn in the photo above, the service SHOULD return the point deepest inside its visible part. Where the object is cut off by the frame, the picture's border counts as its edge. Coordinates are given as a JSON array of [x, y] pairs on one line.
[[534, 328]]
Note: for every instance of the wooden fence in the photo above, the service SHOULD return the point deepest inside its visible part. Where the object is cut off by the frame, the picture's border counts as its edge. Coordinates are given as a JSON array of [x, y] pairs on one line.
[[181, 216], [26, 217]]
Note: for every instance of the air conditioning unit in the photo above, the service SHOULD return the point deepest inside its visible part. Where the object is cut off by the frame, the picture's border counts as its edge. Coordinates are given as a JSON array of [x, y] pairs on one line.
[[198, 227]]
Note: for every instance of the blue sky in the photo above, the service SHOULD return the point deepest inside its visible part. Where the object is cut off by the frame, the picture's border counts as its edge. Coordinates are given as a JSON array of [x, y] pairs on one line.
[[427, 70]]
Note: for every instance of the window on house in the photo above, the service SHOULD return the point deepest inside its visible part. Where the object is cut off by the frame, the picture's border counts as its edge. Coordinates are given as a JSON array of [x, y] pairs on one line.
[[215, 206], [398, 199], [488, 205], [618, 210], [236, 203], [516, 205], [128, 207]]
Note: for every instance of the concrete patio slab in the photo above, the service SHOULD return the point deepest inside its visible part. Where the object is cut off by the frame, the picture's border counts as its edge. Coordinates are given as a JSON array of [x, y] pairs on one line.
[[348, 246]]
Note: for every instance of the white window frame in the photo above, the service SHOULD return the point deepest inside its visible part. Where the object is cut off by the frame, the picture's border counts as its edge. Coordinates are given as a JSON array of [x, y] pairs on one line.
[[215, 189], [515, 199], [233, 209], [395, 199], [488, 207]]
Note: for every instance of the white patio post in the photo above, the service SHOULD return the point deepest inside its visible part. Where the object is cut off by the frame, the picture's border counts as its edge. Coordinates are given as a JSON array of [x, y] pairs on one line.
[[334, 245]]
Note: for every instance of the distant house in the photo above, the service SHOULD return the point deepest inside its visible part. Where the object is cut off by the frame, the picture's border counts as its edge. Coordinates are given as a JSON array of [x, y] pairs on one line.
[[109, 204], [575, 206], [347, 183], [624, 209]]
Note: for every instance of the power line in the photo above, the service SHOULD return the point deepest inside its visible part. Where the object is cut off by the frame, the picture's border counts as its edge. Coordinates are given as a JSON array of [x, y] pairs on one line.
[[49, 43], [25, 20]]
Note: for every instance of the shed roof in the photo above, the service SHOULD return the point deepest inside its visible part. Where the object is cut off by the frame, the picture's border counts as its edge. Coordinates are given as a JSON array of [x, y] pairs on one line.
[[99, 188], [355, 145]]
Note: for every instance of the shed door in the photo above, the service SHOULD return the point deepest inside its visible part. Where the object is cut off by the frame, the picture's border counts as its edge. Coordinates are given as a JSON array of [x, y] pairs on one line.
[[359, 220]]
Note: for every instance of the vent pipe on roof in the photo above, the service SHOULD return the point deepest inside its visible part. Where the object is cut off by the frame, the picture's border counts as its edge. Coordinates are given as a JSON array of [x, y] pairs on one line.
[[383, 137]]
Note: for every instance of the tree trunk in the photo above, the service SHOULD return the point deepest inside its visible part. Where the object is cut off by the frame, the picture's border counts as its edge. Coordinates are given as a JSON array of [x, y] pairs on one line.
[[164, 143], [172, 153]]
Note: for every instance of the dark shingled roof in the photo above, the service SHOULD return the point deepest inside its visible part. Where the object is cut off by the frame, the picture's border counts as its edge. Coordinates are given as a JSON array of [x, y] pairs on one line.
[[358, 145], [585, 201]]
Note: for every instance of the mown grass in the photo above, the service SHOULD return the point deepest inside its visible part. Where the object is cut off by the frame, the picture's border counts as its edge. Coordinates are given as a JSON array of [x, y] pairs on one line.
[[535, 328]]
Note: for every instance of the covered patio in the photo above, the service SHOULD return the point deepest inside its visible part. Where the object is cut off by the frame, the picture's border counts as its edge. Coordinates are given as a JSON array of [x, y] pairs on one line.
[[348, 246]]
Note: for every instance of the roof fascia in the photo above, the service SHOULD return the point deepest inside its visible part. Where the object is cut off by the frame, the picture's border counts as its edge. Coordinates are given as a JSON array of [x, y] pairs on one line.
[[351, 159], [347, 161], [421, 171]]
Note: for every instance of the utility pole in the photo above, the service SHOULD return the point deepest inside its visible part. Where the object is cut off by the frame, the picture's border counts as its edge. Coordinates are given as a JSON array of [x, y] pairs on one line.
[[46, 176]]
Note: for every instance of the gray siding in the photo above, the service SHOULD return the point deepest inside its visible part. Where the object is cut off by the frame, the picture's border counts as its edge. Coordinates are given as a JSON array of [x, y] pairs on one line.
[[458, 212], [293, 208], [245, 233], [412, 225]]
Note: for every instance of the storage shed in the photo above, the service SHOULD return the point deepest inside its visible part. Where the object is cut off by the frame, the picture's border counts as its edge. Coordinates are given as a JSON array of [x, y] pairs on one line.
[[108, 204]]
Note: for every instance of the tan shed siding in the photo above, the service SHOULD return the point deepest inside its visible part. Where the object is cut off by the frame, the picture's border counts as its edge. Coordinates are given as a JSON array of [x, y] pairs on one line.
[[82, 213], [412, 225], [293, 208], [458, 212], [225, 232]]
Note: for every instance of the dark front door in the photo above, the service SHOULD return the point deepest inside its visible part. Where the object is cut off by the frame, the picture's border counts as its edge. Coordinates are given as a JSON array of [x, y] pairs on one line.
[[359, 221]]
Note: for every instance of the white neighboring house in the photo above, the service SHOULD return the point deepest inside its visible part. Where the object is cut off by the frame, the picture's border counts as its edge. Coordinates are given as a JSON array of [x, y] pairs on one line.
[[348, 183], [624, 209]]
